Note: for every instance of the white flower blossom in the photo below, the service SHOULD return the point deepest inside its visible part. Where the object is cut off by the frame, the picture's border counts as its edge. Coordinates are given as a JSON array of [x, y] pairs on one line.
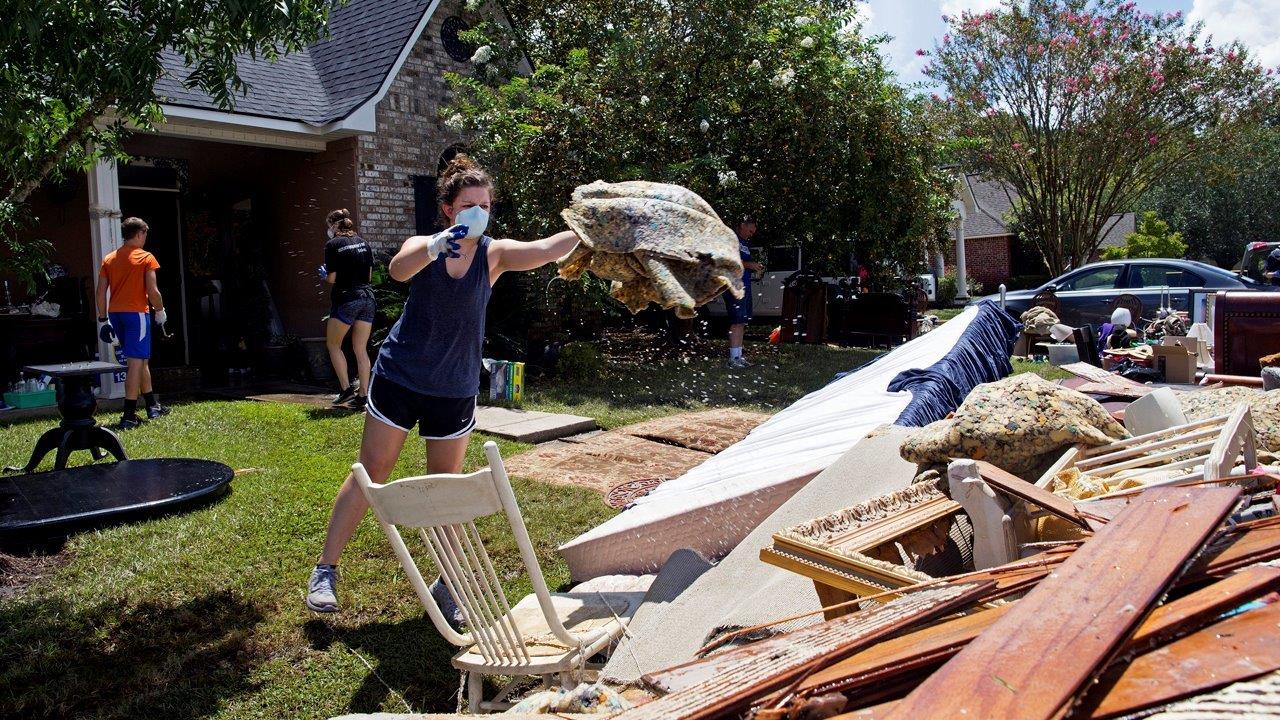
[[482, 55], [803, 20], [806, 43], [755, 65], [728, 178], [783, 78], [472, 5], [704, 126], [644, 99], [454, 121]]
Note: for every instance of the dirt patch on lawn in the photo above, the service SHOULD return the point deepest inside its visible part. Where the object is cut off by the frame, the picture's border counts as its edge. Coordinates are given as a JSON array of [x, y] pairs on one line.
[[22, 566]]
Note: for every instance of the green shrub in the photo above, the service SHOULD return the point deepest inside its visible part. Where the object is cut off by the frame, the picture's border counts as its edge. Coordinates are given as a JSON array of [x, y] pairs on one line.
[[947, 289], [579, 361]]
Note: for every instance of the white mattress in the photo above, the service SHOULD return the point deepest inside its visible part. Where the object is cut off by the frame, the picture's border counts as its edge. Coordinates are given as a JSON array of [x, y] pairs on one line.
[[714, 506]]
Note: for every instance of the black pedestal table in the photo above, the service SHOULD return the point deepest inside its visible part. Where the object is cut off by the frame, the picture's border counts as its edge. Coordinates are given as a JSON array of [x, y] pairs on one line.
[[78, 430]]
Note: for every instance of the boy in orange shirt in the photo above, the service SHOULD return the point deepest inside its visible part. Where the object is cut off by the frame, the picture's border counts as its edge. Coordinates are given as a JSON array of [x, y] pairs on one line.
[[130, 274]]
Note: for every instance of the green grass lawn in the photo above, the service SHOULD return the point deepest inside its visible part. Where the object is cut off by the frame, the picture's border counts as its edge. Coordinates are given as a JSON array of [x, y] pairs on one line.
[[200, 614]]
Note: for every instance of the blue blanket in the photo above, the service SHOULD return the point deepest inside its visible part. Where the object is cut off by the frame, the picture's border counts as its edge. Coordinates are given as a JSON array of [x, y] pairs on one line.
[[981, 355]]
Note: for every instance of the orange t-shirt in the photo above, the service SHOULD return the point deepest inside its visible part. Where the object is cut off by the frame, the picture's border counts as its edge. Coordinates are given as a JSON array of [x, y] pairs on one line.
[[125, 271]]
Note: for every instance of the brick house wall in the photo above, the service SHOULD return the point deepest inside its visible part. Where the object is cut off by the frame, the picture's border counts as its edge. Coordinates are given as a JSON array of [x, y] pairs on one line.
[[410, 137], [987, 260]]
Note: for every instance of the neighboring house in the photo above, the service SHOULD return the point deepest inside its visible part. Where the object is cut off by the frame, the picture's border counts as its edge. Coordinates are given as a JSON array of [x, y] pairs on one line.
[[993, 254], [236, 200]]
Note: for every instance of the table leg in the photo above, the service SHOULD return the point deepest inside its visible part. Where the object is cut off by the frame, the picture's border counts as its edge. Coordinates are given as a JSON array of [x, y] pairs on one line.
[[47, 443], [107, 440], [65, 446]]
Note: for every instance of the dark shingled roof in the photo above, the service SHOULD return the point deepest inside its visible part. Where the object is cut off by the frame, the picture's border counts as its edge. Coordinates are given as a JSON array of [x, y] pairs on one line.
[[323, 83], [993, 204]]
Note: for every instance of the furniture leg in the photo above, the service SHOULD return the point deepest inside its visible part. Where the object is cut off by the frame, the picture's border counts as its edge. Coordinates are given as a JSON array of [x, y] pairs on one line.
[[47, 443], [828, 596], [97, 453], [64, 451], [101, 437], [475, 692]]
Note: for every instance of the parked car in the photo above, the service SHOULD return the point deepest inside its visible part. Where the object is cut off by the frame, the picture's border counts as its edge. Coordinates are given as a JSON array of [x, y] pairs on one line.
[[1255, 254], [1086, 294]]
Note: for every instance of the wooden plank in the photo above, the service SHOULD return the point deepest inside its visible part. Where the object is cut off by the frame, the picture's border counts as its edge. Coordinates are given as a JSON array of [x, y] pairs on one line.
[[1093, 613], [930, 646], [729, 680], [1245, 544], [1013, 485], [1239, 648]]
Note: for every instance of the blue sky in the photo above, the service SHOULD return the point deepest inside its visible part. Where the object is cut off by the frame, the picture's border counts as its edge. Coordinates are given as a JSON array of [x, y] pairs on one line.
[[918, 24]]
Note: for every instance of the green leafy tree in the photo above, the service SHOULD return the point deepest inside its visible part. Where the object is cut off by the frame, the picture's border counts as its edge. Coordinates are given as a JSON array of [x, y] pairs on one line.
[[1080, 106], [782, 110], [76, 76], [1152, 239], [1227, 199]]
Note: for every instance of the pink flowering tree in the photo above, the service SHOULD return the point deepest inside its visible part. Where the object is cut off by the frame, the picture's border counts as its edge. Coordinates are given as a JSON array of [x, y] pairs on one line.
[[1079, 106]]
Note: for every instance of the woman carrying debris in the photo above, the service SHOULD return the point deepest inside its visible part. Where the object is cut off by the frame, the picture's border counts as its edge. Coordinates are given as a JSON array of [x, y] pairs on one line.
[[348, 267], [428, 370]]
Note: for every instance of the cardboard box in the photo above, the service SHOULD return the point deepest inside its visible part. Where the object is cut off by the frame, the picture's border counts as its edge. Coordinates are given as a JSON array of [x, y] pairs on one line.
[[1176, 359]]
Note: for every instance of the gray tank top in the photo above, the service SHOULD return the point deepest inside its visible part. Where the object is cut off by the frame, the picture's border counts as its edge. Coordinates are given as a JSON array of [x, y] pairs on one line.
[[434, 348]]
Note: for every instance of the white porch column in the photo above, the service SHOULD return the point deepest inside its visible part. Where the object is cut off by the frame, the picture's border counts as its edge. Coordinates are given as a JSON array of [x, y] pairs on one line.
[[962, 277], [104, 228]]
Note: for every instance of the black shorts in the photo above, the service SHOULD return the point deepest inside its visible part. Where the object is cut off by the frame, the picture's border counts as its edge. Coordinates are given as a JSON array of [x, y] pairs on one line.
[[348, 312], [438, 418]]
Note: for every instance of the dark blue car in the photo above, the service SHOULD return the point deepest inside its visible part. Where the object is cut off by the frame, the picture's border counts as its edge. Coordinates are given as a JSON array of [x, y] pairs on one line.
[[1086, 294]]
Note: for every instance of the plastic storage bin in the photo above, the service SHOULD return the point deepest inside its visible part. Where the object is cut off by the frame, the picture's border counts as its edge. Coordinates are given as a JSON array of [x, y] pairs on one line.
[[39, 398]]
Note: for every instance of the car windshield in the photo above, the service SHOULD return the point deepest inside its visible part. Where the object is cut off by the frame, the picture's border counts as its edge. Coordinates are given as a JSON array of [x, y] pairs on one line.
[[1092, 279]]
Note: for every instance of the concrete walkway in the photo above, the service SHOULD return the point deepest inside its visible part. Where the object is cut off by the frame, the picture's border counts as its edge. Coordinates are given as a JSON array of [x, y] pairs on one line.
[[530, 426]]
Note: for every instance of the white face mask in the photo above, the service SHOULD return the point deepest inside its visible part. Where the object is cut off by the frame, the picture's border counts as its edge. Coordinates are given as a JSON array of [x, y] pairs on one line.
[[331, 232], [475, 218]]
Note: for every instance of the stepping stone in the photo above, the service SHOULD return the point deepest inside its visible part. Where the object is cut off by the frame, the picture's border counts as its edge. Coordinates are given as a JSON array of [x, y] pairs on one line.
[[530, 426]]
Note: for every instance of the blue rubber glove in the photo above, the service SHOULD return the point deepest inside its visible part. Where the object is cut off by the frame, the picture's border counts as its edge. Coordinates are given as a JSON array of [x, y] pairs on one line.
[[324, 271], [106, 333], [446, 242]]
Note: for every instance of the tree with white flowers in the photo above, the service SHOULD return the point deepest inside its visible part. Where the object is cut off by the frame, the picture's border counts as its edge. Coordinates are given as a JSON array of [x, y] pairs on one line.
[[780, 109]]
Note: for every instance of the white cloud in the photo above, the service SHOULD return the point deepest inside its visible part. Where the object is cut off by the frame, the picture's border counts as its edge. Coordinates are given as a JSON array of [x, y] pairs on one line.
[[1256, 23]]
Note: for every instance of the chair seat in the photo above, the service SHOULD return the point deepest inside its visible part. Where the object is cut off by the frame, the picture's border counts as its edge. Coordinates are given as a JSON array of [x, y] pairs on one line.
[[581, 613]]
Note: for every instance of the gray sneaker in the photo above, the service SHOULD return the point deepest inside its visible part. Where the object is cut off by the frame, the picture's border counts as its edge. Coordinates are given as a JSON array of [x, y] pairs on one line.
[[448, 606], [739, 363], [322, 589]]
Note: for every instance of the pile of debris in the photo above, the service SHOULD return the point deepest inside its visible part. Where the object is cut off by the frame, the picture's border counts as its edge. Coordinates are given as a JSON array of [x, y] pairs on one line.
[[1167, 597]]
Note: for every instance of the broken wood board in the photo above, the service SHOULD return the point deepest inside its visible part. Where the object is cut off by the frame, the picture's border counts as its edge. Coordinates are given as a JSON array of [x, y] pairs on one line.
[[1011, 484], [1238, 648], [730, 680], [709, 431], [1093, 613], [1243, 545], [603, 462], [916, 652]]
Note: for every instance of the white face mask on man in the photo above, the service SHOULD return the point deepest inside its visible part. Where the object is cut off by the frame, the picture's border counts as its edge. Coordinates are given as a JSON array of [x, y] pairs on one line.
[[475, 218]]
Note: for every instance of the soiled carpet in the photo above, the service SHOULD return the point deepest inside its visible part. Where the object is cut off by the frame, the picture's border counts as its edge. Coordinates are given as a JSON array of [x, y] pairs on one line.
[[629, 461]]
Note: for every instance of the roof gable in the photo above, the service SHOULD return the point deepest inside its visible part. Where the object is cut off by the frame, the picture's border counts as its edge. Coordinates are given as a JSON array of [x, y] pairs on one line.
[[323, 83]]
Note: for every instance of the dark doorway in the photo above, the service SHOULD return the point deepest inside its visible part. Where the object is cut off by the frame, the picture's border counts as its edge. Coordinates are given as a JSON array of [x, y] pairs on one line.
[[161, 209]]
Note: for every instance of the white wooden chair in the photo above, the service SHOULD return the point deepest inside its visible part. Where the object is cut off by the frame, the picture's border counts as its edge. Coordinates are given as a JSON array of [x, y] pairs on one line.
[[548, 635]]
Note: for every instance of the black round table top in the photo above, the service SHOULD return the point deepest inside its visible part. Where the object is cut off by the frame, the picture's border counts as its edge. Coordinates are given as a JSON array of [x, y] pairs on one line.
[[61, 370], [48, 501]]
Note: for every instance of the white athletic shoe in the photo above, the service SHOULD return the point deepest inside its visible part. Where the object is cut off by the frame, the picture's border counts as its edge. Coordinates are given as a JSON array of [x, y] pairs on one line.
[[322, 589], [739, 363]]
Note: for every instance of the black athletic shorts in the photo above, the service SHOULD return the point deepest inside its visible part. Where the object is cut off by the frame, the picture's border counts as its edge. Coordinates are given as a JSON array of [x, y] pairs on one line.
[[360, 309], [438, 418]]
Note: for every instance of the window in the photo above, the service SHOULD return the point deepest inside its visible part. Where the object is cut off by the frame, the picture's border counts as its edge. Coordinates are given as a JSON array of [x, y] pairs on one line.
[[779, 259], [454, 45], [424, 205], [1157, 276], [1096, 279]]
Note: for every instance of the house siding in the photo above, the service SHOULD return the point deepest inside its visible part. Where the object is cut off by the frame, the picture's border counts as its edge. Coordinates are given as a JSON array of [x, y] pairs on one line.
[[410, 137]]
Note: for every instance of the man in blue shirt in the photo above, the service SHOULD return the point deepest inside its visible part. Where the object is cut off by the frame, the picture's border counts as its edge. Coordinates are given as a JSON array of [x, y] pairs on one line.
[[740, 310]]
